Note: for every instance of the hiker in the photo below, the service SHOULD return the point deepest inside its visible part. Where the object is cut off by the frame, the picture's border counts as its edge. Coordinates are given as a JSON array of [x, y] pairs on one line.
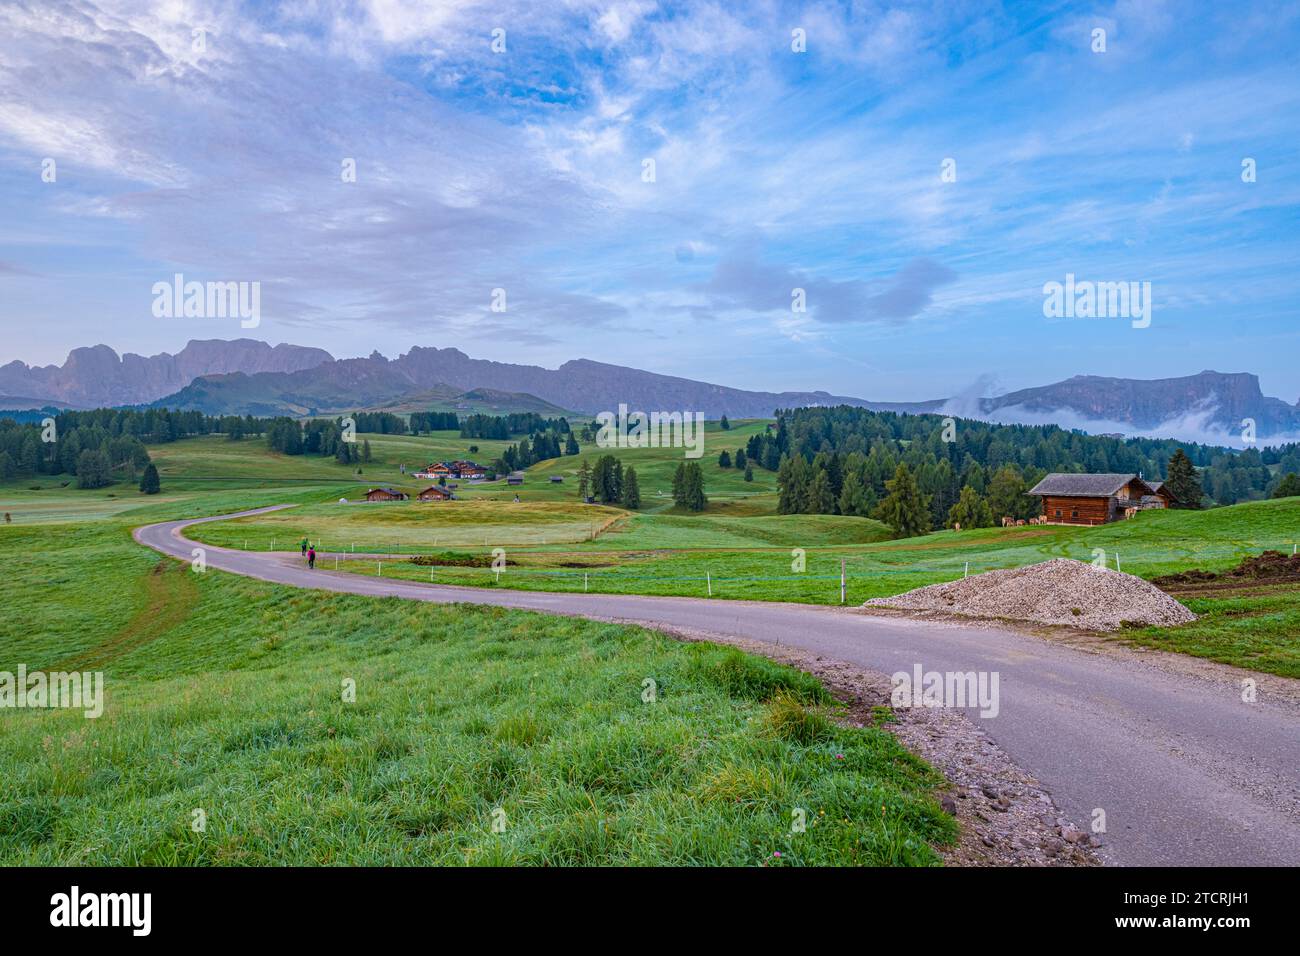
[[311, 558], [516, 497], [303, 544], [8, 518]]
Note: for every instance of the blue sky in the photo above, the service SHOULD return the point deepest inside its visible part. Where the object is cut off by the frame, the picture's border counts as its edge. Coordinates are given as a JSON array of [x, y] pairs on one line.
[[774, 170]]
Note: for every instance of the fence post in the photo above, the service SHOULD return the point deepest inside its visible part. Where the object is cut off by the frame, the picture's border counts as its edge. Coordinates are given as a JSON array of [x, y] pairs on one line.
[[966, 573], [1117, 567], [841, 580], [709, 579], [584, 581], [379, 568]]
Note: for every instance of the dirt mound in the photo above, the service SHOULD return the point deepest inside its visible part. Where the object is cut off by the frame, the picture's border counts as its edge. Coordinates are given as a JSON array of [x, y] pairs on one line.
[[1060, 591], [1267, 566]]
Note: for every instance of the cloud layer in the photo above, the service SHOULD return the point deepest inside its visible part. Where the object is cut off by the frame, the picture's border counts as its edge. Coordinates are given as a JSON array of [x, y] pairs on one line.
[[506, 146]]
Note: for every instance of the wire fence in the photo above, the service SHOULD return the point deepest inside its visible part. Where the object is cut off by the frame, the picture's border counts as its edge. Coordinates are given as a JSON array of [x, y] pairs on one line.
[[855, 568]]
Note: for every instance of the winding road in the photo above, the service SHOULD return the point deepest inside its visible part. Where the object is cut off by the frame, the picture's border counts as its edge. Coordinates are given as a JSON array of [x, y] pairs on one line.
[[1185, 771]]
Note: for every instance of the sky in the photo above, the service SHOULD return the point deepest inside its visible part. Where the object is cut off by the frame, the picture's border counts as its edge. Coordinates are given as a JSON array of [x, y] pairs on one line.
[[649, 184]]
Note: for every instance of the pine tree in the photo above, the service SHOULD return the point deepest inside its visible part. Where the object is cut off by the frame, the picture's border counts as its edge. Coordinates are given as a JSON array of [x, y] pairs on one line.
[[149, 483], [688, 487], [1182, 481], [93, 470], [1006, 495], [724, 460], [853, 496], [749, 472], [631, 490], [571, 446], [365, 450], [584, 480], [1288, 487], [740, 458], [821, 499], [904, 509], [970, 511], [726, 425]]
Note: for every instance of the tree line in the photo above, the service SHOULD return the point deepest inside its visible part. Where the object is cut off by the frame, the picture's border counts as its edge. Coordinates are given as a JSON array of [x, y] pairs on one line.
[[502, 427], [926, 472]]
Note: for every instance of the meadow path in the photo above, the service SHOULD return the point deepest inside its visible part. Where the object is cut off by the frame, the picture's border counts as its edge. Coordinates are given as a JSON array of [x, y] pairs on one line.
[[1185, 771]]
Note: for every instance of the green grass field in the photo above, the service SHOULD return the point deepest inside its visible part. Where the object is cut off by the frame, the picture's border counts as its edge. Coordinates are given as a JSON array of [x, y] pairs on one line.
[[738, 548], [225, 696]]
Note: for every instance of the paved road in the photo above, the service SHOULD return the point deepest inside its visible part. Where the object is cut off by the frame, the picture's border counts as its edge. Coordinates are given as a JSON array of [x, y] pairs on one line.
[[1186, 772]]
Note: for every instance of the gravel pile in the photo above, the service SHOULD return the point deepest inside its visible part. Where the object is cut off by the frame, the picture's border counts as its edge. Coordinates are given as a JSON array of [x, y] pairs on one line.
[[1060, 591]]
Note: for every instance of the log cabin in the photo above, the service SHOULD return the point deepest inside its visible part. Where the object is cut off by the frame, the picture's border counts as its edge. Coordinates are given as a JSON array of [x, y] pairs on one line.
[[385, 494], [1162, 491], [435, 493], [1093, 499]]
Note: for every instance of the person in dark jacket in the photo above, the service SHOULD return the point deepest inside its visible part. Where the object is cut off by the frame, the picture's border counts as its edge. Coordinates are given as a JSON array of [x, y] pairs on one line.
[[311, 557]]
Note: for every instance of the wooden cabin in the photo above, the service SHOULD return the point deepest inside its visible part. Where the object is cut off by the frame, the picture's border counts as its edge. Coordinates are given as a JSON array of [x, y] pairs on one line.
[[1092, 499], [556, 479], [515, 478], [435, 493], [385, 494], [1161, 490]]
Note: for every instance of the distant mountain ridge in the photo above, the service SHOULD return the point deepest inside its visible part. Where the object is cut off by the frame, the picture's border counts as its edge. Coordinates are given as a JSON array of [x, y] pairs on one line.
[[96, 377], [1221, 400], [581, 385], [250, 377]]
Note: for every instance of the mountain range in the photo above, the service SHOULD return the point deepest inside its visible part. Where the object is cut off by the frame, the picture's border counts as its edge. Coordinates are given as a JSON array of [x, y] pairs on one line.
[[97, 377], [245, 376]]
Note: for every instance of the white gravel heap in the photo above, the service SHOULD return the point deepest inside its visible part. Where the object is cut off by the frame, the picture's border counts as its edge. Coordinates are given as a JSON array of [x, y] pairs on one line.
[[1060, 591]]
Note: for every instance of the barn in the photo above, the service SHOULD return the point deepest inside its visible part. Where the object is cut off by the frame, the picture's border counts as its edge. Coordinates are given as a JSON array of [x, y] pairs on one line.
[[435, 493], [385, 494], [1091, 499]]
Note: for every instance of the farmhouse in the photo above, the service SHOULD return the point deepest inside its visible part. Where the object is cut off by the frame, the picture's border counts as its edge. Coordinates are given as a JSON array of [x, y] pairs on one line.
[[1093, 499], [385, 494], [452, 469], [435, 493]]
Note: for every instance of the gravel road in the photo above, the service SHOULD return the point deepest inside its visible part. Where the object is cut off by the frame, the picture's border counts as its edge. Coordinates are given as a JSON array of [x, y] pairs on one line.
[[1186, 773]]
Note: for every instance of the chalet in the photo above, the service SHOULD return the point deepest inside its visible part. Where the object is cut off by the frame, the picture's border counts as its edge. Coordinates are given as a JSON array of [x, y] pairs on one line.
[[1162, 491], [1092, 499], [436, 493], [385, 494], [453, 469], [556, 479], [515, 478]]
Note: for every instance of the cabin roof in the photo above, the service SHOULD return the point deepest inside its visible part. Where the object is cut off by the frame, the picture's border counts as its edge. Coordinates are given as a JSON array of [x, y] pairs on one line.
[[1083, 486]]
